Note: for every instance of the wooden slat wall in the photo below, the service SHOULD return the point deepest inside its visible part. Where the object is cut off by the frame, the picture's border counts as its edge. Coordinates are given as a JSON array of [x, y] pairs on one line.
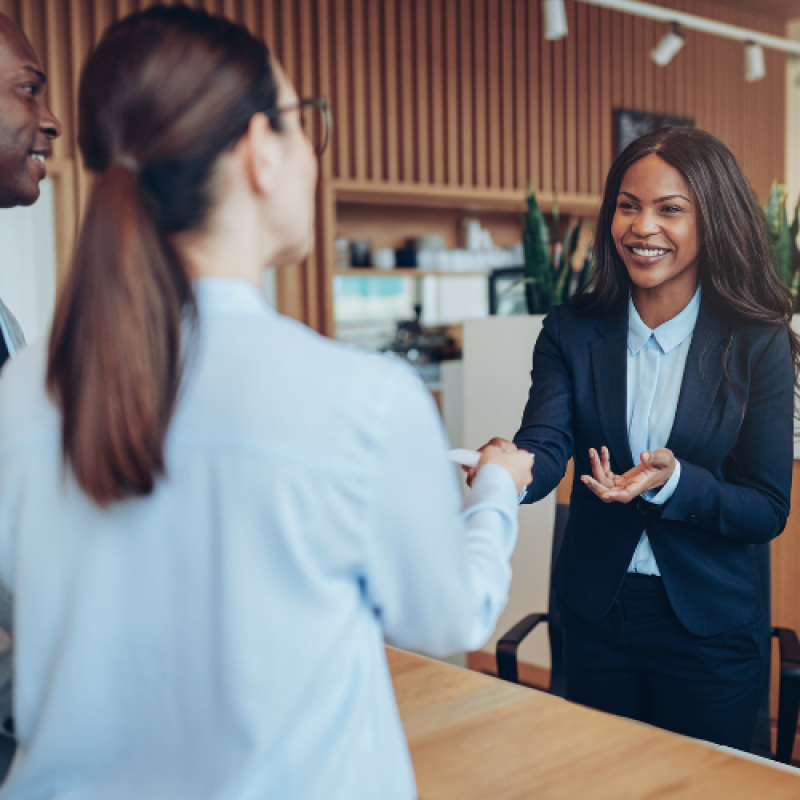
[[63, 32], [530, 110], [452, 95]]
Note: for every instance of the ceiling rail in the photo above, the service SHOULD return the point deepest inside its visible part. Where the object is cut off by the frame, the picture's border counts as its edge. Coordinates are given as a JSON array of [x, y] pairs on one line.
[[702, 24]]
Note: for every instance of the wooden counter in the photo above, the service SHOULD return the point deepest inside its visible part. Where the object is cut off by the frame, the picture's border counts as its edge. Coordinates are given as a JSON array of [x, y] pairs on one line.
[[472, 736]]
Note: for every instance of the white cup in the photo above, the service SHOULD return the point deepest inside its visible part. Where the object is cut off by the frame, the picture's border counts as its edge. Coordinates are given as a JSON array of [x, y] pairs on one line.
[[383, 258]]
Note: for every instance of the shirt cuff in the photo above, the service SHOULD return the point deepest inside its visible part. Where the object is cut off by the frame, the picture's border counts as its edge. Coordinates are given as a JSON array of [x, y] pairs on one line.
[[667, 490], [493, 488]]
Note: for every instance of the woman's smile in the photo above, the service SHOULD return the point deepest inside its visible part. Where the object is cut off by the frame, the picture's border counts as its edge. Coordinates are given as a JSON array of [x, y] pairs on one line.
[[647, 255], [655, 231]]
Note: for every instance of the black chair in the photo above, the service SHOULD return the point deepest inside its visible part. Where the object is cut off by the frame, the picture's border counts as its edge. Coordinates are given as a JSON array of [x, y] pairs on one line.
[[789, 650], [788, 684]]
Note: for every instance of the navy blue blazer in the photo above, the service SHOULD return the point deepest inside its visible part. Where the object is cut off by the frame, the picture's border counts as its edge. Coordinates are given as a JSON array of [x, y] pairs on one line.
[[733, 435]]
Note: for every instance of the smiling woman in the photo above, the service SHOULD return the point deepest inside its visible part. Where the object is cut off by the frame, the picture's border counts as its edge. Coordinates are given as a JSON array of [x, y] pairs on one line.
[[671, 382], [694, 183]]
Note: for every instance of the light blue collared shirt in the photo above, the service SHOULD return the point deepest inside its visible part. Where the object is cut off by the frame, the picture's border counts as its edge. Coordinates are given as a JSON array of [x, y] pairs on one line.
[[656, 362], [224, 637]]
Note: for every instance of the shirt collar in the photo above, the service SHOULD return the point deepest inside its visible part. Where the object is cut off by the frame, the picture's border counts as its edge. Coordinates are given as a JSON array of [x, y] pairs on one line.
[[228, 296], [668, 335]]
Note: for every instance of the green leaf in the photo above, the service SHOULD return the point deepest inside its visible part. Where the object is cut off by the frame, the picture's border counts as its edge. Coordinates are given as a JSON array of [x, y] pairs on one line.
[[587, 272], [782, 255], [538, 267], [794, 230], [772, 211], [782, 237], [565, 268]]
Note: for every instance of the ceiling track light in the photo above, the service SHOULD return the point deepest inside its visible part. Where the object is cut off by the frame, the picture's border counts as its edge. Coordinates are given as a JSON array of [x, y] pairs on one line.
[[555, 19], [754, 68], [691, 22], [667, 48]]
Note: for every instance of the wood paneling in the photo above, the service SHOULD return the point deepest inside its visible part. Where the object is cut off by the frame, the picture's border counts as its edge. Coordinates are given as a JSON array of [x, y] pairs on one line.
[[459, 99], [526, 102], [303, 34]]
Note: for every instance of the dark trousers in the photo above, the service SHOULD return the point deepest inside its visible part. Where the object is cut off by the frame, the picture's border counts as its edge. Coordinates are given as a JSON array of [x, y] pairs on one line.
[[640, 662]]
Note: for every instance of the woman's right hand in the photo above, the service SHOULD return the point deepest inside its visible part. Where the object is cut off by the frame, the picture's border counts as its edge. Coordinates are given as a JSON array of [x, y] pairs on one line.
[[518, 463]]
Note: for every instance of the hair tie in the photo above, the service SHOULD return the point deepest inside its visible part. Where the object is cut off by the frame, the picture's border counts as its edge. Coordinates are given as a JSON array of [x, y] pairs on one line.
[[129, 162]]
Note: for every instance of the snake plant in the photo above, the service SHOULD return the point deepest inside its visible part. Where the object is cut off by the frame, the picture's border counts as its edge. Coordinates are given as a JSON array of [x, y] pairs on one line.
[[552, 278], [783, 237]]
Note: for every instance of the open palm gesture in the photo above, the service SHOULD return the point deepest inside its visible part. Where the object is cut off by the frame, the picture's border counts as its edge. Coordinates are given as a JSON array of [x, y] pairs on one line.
[[655, 470]]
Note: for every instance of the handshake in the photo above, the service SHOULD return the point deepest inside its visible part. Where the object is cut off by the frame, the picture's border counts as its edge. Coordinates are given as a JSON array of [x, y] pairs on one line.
[[518, 463]]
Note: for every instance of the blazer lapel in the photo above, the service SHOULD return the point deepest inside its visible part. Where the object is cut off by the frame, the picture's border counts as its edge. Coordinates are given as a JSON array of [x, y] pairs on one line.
[[701, 380], [609, 369]]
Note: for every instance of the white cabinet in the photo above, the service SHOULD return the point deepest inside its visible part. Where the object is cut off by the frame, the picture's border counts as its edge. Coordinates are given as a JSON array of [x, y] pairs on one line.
[[496, 379]]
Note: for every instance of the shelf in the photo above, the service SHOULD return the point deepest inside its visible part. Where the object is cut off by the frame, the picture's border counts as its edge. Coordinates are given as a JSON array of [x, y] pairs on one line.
[[459, 198], [413, 273]]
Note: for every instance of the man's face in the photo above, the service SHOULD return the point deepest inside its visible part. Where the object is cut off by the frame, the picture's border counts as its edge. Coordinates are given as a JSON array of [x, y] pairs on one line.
[[27, 127]]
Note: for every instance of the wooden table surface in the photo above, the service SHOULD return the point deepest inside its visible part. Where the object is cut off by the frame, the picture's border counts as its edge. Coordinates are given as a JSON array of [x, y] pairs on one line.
[[472, 736]]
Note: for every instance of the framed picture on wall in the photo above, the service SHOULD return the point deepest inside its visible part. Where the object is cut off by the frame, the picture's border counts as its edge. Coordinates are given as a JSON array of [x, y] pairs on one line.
[[630, 124]]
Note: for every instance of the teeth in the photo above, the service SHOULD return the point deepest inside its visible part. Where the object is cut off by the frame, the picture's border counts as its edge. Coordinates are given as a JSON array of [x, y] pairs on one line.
[[649, 252], [37, 157]]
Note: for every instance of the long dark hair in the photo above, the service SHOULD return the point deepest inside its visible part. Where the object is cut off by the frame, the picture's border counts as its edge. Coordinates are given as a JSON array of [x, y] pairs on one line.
[[165, 93], [734, 263]]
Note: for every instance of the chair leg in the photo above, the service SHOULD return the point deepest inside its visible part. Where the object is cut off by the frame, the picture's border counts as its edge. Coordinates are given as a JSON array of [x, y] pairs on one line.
[[788, 707]]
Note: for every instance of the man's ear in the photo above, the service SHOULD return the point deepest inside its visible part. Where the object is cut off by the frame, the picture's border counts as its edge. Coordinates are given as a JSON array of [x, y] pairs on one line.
[[260, 153]]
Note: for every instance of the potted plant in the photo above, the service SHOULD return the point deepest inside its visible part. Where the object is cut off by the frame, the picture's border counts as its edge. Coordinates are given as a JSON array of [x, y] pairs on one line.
[[783, 237], [554, 273]]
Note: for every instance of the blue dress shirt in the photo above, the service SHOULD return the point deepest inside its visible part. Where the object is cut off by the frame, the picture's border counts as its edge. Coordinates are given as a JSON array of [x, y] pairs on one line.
[[656, 362], [224, 637]]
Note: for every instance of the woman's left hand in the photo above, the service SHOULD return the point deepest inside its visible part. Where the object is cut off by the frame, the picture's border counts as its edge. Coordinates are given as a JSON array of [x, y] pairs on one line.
[[655, 470]]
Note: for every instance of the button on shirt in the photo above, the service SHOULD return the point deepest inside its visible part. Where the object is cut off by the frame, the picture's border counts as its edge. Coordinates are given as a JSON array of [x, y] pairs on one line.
[[656, 362], [224, 637]]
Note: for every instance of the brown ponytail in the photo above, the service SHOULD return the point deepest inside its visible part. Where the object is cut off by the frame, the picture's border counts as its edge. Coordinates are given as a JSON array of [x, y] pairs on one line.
[[114, 355], [166, 92]]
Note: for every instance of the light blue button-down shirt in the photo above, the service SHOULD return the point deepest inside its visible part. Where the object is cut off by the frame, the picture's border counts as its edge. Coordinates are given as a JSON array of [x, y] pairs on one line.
[[656, 362], [223, 638]]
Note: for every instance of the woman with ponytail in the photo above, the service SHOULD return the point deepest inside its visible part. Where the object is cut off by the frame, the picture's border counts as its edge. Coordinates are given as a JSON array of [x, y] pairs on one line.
[[210, 517]]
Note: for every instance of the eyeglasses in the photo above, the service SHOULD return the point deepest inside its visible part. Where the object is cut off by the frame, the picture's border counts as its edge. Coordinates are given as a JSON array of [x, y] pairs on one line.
[[317, 126]]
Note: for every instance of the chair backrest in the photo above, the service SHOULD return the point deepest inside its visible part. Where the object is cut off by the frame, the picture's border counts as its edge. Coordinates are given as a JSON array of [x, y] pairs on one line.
[[762, 740], [554, 627]]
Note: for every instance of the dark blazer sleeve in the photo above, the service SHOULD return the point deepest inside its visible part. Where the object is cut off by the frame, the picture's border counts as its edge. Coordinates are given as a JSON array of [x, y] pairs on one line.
[[546, 427], [750, 503]]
